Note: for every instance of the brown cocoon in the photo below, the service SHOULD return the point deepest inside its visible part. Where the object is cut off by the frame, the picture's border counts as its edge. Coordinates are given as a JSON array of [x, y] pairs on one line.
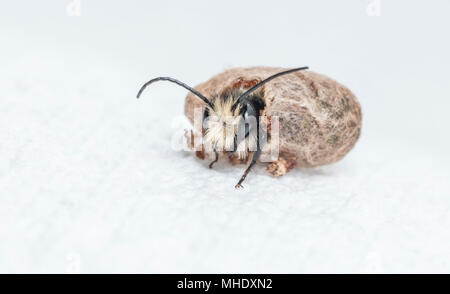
[[320, 119]]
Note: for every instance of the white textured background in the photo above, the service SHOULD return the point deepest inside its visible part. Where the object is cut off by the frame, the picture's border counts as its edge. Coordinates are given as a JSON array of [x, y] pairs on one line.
[[89, 182]]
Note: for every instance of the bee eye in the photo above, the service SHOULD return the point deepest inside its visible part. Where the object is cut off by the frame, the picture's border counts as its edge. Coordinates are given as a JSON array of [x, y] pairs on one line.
[[249, 111], [205, 114], [246, 114], [245, 125]]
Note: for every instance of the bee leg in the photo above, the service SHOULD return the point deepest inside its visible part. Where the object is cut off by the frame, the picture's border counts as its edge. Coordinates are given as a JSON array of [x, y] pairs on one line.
[[252, 163], [215, 159]]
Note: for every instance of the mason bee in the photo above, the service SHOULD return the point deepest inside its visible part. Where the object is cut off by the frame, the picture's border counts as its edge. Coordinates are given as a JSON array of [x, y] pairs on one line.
[[318, 120]]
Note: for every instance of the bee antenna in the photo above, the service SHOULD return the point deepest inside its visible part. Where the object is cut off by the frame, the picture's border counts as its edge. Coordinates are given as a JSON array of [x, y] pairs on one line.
[[255, 87], [192, 90]]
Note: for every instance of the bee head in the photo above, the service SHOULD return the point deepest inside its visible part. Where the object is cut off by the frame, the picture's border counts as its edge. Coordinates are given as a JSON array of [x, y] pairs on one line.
[[231, 124]]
